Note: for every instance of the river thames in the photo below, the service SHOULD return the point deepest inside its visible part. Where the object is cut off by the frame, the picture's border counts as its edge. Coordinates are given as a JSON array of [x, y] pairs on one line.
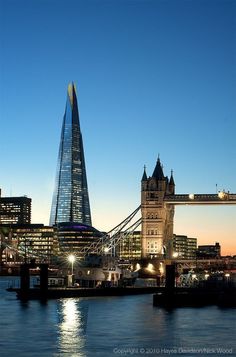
[[111, 326]]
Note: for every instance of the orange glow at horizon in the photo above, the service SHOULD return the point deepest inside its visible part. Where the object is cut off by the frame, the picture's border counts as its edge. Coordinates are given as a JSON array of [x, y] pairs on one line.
[[209, 224]]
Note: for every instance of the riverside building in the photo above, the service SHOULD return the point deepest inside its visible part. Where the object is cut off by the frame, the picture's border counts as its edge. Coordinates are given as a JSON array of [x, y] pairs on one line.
[[130, 247], [209, 251], [184, 247], [75, 238], [24, 242]]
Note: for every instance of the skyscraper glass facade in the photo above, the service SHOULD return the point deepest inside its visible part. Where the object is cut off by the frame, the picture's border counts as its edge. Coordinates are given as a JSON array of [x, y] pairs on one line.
[[70, 198]]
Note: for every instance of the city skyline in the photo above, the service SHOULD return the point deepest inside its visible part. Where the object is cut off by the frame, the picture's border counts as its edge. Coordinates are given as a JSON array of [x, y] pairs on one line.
[[152, 77]]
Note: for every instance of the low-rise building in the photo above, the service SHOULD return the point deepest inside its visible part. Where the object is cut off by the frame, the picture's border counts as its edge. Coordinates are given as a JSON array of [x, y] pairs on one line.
[[184, 247], [22, 243], [209, 251]]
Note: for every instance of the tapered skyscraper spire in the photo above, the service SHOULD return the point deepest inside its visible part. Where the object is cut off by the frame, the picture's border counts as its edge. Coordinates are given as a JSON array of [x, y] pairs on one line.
[[70, 198]]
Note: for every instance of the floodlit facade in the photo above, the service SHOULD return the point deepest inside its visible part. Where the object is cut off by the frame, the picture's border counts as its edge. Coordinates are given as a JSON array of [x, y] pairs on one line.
[[70, 198], [157, 216]]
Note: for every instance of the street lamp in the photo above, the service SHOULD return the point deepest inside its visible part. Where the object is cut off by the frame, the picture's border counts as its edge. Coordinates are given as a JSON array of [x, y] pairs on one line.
[[106, 250], [71, 259], [175, 255]]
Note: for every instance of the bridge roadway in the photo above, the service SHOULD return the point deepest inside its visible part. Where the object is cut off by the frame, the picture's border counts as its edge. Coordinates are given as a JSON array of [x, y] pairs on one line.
[[222, 263], [201, 199]]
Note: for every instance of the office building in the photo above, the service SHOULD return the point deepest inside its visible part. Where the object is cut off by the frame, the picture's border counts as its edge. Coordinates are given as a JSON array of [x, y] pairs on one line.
[[24, 242], [15, 210], [75, 238], [209, 251], [70, 201], [129, 248], [184, 247]]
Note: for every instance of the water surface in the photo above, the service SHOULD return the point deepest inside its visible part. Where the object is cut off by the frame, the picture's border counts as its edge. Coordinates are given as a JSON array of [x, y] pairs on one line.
[[111, 326]]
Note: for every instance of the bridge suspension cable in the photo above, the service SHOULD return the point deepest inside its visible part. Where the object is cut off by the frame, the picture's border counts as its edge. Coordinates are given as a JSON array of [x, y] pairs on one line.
[[107, 241], [113, 237], [113, 241]]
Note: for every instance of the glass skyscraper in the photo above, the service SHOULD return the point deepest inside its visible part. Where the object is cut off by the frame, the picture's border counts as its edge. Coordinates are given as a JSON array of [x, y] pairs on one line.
[[70, 201]]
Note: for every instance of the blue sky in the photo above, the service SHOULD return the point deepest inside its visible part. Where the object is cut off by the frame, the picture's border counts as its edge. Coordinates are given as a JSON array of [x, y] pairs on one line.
[[152, 77]]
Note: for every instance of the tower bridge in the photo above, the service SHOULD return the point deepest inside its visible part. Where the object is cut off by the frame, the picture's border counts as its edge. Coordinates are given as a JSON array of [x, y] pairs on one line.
[[158, 201]]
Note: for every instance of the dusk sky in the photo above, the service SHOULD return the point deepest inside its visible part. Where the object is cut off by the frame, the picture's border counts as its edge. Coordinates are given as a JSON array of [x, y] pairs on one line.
[[153, 77]]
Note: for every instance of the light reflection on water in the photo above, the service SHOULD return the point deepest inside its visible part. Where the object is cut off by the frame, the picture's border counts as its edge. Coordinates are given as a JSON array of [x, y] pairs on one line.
[[105, 327], [72, 326]]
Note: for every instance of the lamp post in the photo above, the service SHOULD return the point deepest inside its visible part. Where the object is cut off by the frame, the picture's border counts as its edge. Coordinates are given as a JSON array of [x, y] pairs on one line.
[[175, 256], [227, 276], [106, 250], [71, 259]]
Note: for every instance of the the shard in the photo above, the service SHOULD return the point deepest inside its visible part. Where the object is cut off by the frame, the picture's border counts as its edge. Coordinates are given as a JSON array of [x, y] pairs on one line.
[[70, 201]]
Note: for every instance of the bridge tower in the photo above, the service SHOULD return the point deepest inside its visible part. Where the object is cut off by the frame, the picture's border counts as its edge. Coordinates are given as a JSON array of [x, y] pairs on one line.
[[157, 215]]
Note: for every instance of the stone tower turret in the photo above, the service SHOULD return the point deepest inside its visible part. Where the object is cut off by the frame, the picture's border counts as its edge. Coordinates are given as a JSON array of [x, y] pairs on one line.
[[157, 216], [171, 184]]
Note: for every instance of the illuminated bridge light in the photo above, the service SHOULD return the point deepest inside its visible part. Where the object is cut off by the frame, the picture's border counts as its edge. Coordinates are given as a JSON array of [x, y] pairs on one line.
[[150, 267], [221, 194], [138, 267]]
